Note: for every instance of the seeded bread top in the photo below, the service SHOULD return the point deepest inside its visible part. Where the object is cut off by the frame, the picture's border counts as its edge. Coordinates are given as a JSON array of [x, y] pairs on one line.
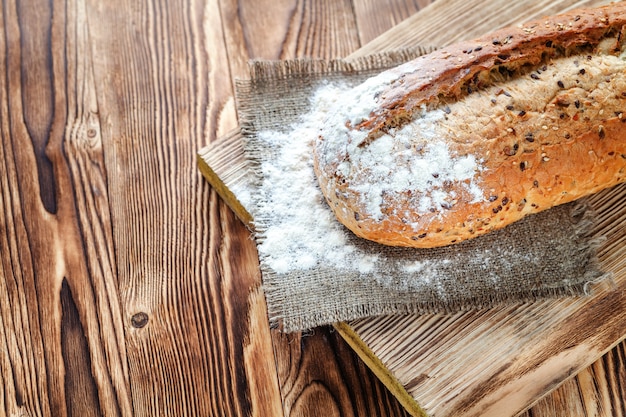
[[476, 136], [449, 72]]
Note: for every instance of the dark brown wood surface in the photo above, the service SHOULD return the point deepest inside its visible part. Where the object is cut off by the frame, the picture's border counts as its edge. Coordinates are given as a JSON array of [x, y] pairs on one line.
[[127, 287]]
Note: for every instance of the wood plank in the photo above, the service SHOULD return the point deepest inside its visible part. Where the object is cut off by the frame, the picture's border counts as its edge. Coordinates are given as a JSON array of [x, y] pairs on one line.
[[376, 17], [446, 22], [427, 22], [286, 29], [321, 376], [60, 314], [223, 161], [583, 355], [318, 373], [596, 391], [552, 341], [197, 337]]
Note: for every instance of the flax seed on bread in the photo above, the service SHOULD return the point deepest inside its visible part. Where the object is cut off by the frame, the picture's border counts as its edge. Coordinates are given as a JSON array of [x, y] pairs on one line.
[[475, 136]]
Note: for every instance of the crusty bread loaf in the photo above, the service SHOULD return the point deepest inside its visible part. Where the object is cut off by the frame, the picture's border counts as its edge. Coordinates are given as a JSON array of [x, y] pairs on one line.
[[475, 136]]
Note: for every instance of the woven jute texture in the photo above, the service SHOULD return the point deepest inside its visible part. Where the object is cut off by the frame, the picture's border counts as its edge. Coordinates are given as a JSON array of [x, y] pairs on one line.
[[550, 254]]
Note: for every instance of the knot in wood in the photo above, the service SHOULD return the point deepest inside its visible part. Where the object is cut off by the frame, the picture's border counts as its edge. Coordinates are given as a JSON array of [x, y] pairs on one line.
[[139, 320]]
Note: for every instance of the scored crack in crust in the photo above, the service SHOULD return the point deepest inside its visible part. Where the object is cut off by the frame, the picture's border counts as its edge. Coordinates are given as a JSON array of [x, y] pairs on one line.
[[477, 135]]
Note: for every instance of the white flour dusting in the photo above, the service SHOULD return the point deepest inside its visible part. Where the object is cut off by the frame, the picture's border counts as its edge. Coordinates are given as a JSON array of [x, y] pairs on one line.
[[315, 271], [301, 232], [393, 163]]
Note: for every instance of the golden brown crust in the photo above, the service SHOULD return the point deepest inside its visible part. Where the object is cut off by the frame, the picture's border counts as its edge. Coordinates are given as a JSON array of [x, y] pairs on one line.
[[550, 133], [447, 71]]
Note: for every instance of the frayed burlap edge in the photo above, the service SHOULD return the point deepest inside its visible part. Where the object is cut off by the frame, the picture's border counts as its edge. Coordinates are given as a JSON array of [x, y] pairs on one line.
[[283, 310]]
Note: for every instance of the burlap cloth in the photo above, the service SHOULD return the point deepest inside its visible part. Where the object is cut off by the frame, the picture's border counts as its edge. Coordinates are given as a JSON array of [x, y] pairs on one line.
[[546, 255]]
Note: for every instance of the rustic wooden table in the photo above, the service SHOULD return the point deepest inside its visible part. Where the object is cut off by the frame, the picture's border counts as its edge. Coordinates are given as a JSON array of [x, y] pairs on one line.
[[127, 287]]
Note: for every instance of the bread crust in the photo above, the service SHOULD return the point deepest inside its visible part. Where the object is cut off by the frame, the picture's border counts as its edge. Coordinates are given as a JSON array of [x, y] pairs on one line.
[[537, 111]]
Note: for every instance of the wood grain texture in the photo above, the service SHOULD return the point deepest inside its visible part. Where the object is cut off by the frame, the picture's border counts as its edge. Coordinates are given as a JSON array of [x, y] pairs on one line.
[[286, 29], [449, 21], [220, 116], [197, 339], [127, 287], [513, 360], [415, 377], [598, 390], [318, 373], [376, 17], [566, 391], [61, 312], [321, 376], [223, 161]]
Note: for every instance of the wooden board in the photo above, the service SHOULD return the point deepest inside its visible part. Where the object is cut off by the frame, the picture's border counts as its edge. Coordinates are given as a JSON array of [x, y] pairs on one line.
[[436, 364], [127, 286]]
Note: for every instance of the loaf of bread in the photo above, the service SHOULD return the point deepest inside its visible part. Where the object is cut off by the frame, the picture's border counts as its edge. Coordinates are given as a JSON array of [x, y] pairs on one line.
[[477, 135]]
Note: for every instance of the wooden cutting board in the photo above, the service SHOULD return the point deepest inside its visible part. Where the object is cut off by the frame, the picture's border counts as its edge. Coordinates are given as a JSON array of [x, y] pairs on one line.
[[491, 362]]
